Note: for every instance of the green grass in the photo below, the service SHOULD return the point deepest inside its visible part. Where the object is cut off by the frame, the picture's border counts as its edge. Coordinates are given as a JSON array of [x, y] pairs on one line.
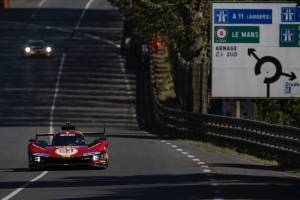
[[163, 81], [230, 151]]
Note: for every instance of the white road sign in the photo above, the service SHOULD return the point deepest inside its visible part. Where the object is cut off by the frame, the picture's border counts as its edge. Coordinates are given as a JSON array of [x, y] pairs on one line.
[[255, 50]]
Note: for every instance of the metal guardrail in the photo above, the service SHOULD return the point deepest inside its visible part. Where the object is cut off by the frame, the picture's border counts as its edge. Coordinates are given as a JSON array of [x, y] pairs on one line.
[[281, 138], [282, 142]]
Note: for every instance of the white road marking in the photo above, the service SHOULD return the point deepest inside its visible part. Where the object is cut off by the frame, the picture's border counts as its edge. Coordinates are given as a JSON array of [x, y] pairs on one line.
[[37, 10], [184, 152], [179, 149], [204, 166], [61, 66], [174, 146], [15, 192], [129, 90], [200, 163], [163, 141], [206, 170], [168, 143], [215, 184], [100, 39], [190, 156], [196, 159], [83, 13]]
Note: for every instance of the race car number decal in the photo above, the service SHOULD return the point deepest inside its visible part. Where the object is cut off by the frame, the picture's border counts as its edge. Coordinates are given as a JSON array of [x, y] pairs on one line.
[[66, 151]]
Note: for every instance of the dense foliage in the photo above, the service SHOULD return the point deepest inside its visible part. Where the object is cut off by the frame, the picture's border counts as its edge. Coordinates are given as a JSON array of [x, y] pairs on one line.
[[184, 22]]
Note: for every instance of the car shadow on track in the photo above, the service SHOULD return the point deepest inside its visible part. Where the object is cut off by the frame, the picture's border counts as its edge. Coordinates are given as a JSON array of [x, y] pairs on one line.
[[56, 168], [168, 186]]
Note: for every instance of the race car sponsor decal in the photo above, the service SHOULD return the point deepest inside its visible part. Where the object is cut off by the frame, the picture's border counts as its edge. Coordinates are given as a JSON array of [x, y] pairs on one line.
[[66, 151]]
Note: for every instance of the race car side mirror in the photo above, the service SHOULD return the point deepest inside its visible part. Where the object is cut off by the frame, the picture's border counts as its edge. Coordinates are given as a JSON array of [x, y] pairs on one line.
[[94, 142], [102, 138]]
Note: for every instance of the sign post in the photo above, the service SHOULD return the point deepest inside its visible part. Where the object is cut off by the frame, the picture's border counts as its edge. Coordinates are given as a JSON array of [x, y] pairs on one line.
[[255, 50]]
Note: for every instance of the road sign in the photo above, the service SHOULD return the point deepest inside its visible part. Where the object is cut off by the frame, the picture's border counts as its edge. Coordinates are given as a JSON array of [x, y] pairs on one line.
[[237, 34], [255, 50]]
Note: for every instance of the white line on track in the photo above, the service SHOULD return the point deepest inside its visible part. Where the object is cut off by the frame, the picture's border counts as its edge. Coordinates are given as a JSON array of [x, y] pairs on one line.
[[61, 66], [174, 146], [200, 163], [196, 159], [125, 78], [184, 152], [206, 170], [37, 10], [129, 89], [190, 156], [15, 192], [83, 13], [179, 149]]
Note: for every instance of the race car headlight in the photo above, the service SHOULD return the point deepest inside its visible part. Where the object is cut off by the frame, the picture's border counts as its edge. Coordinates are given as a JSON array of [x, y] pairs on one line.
[[48, 49], [27, 49], [41, 155], [37, 159], [98, 157], [91, 154]]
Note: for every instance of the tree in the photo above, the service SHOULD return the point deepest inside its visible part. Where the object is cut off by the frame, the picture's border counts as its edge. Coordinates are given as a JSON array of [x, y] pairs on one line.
[[184, 22]]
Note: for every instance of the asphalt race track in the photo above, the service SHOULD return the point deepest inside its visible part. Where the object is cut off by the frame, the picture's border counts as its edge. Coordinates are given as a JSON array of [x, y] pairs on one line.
[[87, 83]]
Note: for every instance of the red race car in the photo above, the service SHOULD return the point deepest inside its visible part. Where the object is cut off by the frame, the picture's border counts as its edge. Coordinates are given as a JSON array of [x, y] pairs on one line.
[[68, 148]]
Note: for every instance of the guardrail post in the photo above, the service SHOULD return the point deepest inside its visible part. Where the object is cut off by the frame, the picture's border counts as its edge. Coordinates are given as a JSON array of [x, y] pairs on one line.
[[199, 86], [238, 109]]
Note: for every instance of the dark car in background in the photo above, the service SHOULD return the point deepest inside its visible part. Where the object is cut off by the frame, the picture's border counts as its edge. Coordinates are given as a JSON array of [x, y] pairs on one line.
[[37, 48]]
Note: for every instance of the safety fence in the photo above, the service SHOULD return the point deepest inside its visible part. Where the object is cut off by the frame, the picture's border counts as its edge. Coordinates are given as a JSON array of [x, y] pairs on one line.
[[279, 142]]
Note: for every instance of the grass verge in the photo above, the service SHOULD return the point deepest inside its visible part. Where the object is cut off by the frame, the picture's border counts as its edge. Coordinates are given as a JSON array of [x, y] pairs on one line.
[[230, 151]]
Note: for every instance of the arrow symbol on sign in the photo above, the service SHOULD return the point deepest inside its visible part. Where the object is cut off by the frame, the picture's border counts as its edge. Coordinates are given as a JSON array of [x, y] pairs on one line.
[[251, 52], [292, 75]]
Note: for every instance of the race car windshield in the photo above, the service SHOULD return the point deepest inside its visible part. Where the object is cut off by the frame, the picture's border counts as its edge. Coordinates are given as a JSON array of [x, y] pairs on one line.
[[68, 140], [37, 44]]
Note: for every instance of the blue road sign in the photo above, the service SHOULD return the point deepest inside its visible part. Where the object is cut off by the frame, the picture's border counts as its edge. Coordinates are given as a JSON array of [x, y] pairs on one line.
[[290, 14], [243, 16]]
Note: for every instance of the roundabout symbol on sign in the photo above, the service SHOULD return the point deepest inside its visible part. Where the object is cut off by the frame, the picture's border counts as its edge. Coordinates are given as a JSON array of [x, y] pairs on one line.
[[276, 63]]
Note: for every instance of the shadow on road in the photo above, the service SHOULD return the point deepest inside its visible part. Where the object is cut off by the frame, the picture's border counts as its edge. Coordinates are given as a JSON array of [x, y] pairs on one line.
[[189, 186], [94, 86]]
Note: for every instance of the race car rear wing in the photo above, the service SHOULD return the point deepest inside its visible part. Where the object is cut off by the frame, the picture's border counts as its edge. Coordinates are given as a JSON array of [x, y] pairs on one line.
[[40, 135], [43, 134]]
